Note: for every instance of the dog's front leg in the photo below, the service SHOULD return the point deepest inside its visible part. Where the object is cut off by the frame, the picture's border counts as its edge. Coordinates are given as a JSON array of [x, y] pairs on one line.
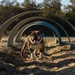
[[23, 48], [32, 55], [30, 51]]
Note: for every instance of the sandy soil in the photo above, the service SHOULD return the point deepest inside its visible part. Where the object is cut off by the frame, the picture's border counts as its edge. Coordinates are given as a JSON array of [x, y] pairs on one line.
[[57, 60]]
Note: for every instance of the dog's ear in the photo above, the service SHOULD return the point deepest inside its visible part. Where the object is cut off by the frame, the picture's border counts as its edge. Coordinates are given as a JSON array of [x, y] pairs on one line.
[[40, 31], [32, 32], [37, 31]]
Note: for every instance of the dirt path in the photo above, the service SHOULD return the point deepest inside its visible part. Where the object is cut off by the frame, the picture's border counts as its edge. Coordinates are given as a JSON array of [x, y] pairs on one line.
[[58, 60]]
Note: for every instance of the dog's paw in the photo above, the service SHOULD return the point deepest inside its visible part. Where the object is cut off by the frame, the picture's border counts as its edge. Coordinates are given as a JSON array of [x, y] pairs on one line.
[[21, 54]]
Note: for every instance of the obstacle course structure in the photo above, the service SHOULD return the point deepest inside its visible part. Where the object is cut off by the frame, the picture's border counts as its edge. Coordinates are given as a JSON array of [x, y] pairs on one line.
[[27, 22]]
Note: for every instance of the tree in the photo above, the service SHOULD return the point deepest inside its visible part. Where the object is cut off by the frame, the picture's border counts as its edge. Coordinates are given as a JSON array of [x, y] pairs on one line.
[[30, 5], [73, 2], [46, 4], [7, 11], [51, 5], [56, 6], [8, 2]]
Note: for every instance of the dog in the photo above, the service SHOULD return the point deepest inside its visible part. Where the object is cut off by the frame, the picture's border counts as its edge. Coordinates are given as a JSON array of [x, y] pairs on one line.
[[34, 43]]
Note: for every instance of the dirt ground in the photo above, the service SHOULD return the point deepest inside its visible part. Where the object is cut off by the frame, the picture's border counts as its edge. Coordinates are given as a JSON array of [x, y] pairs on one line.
[[57, 60]]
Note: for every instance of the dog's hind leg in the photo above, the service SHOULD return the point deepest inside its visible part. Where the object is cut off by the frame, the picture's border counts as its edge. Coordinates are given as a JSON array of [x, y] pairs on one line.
[[41, 51], [41, 56]]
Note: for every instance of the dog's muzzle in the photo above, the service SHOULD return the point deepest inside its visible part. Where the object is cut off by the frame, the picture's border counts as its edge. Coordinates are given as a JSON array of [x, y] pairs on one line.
[[36, 40]]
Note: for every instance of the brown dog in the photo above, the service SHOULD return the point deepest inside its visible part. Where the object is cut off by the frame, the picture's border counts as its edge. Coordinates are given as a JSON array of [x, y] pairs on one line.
[[34, 43]]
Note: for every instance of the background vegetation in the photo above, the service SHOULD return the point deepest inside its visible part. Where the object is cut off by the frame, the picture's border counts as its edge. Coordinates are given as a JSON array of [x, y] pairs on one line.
[[9, 9]]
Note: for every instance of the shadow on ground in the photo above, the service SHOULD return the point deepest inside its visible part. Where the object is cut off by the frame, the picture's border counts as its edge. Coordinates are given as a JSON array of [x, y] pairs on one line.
[[58, 62]]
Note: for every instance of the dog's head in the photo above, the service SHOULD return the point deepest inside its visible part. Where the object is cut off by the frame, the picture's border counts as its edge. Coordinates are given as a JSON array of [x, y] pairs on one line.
[[35, 37]]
